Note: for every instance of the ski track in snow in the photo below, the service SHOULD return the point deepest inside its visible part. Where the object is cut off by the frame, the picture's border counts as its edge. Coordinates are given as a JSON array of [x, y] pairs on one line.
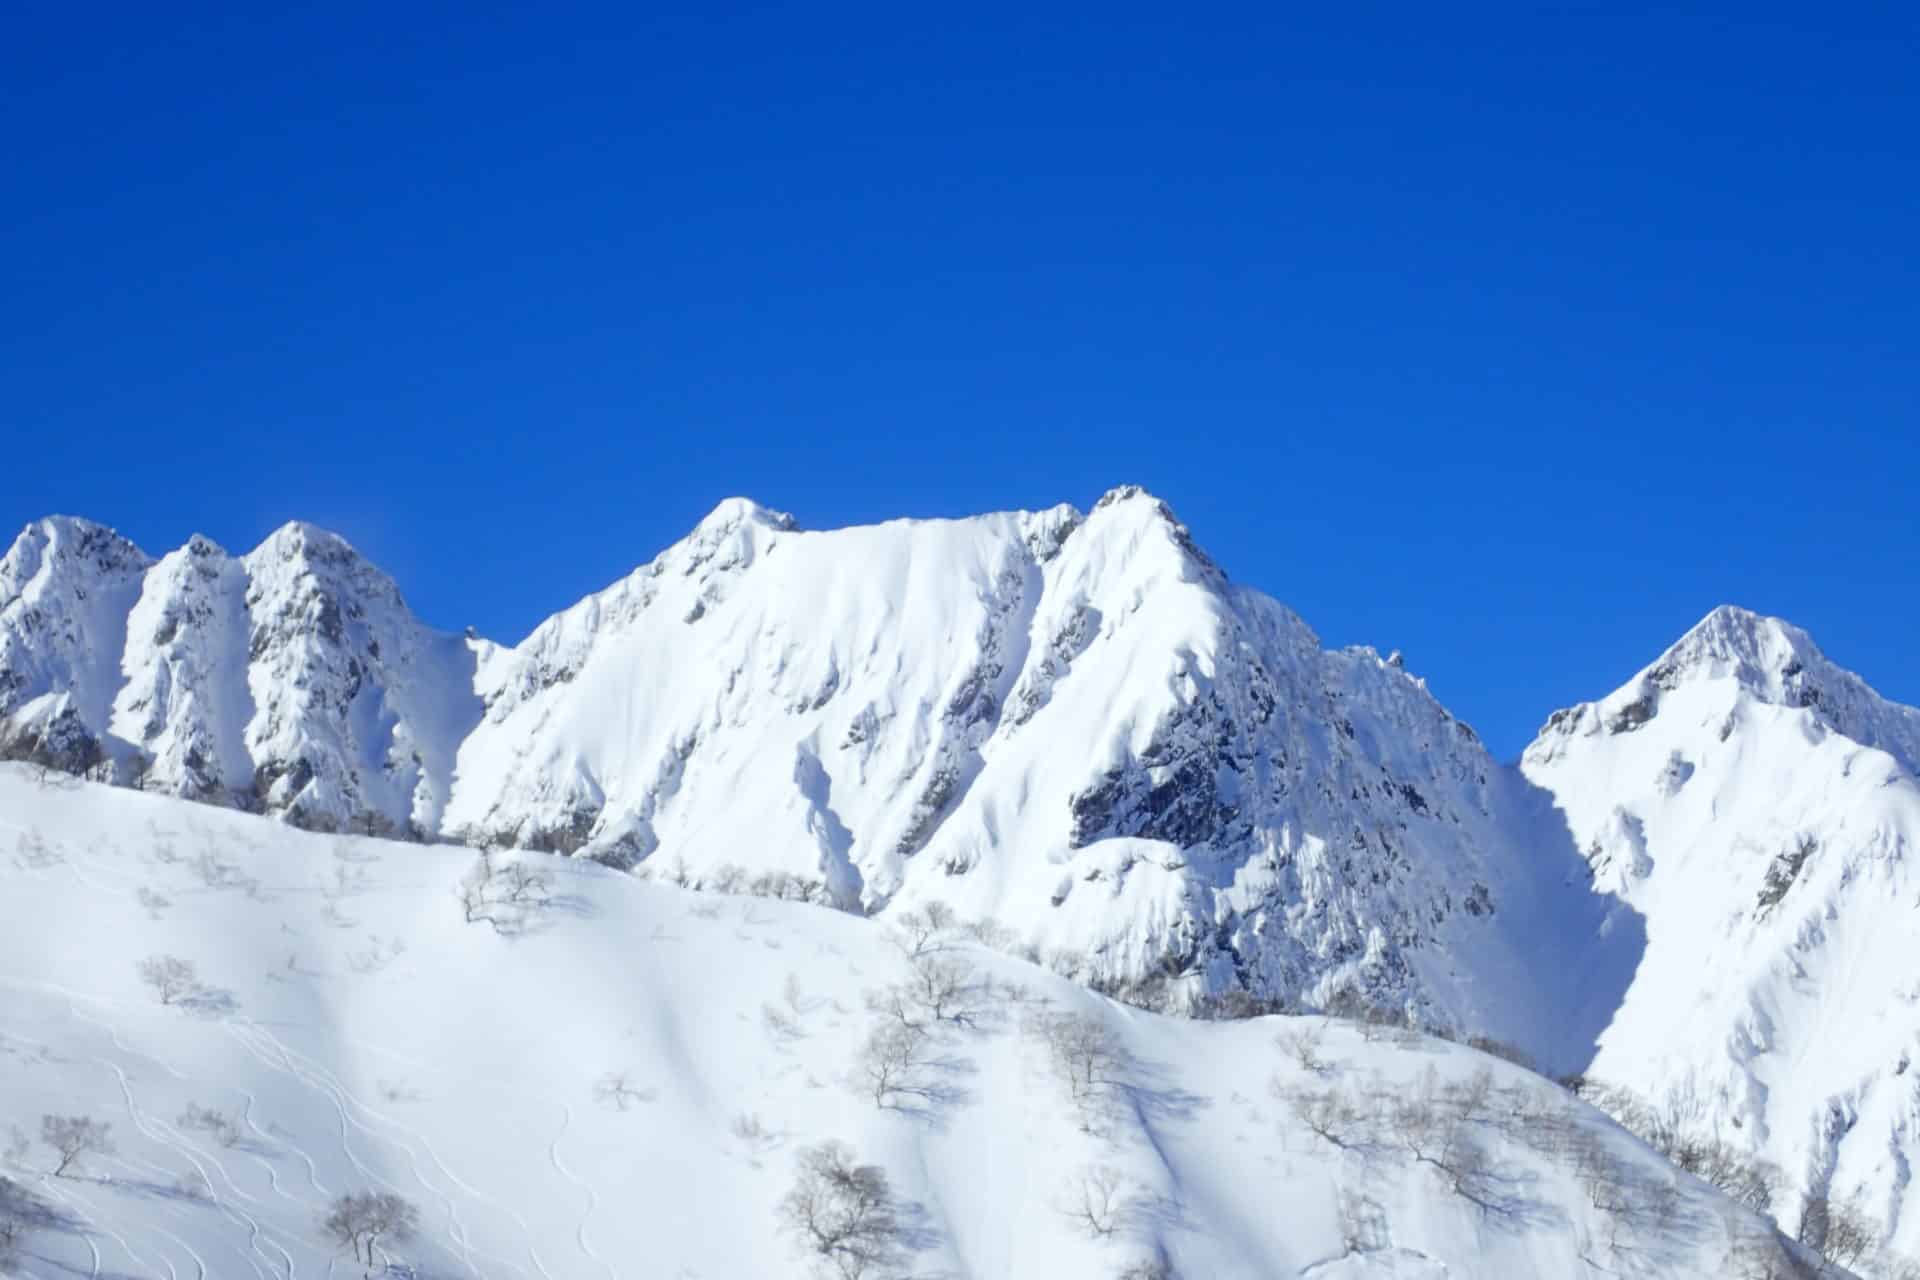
[[593, 1198]]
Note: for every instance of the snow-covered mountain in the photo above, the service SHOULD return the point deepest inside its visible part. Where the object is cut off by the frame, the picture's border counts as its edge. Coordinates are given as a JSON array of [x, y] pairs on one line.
[[1073, 724], [1758, 806], [635, 1083]]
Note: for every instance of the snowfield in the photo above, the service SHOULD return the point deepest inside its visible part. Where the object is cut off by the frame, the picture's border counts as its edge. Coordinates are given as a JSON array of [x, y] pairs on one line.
[[622, 1082]]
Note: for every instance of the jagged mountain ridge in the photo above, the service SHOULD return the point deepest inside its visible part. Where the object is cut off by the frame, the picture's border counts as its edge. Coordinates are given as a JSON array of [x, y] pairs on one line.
[[1070, 722]]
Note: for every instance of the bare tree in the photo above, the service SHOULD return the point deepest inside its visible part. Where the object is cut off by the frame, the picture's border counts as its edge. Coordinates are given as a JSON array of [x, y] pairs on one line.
[[502, 896], [1302, 1044], [891, 1064], [1086, 1055], [944, 989], [171, 978], [1841, 1232], [74, 1138], [842, 1212], [222, 1128], [922, 930], [360, 1221], [1097, 1200]]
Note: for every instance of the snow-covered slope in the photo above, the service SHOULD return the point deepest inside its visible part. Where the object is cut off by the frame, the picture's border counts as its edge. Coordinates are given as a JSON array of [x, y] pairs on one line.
[[1073, 724], [1758, 805], [624, 1088]]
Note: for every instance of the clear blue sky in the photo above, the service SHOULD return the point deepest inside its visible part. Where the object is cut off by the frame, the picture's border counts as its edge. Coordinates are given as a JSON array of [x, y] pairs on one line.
[[1515, 342]]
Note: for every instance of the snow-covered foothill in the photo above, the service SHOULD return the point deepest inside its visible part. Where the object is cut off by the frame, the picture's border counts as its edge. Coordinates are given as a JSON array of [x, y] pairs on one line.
[[615, 1078]]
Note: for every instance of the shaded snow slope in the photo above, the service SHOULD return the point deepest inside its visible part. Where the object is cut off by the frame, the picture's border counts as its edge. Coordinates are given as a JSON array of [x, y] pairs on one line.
[[622, 1089], [1758, 805]]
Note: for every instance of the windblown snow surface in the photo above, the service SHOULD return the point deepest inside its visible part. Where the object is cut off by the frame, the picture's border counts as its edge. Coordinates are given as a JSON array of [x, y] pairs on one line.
[[621, 1089]]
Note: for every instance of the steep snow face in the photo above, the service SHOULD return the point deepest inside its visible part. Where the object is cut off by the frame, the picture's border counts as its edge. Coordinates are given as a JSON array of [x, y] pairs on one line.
[[1073, 725], [1758, 805], [292, 679], [344, 1031], [65, 588]]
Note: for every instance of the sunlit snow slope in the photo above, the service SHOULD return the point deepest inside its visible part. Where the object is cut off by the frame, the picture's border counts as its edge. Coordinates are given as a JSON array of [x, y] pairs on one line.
[[622, 1089]]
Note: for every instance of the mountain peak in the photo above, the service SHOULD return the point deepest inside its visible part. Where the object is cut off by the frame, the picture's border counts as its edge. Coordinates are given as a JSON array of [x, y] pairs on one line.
[[1755, 649], [68, 539], [1765, 659], [731, 513]]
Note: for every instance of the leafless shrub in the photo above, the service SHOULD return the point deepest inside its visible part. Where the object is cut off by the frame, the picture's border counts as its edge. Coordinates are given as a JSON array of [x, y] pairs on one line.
[[991, 934], [1363, 1222], [154, 903], [502, 896], [751, 1132], [172, 979], [1155, 1266], [360, 1221], [217, 873], [191, 1184], [1302, 1044], [618, 1090], [219, 1126], [1501, 1049], [524, 887], [376, 957], [21, 1211], [397, 1091], [842, 1213], [780, 1024], [74, 1138], [33, 853]]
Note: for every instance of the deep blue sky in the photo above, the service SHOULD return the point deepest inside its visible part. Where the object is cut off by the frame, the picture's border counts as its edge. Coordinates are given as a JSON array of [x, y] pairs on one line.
[[1515, 342]]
